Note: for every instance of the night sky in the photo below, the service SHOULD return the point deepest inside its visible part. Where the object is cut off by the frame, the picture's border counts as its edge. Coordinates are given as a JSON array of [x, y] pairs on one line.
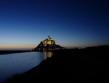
[[71, 23]]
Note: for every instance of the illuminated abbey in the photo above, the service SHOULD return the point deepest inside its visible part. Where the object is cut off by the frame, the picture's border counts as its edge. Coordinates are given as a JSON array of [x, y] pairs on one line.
[[48, 41], [47, 45]]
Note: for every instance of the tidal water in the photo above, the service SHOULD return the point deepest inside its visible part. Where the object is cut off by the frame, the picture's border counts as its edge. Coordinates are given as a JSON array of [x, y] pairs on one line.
[[18, 63]]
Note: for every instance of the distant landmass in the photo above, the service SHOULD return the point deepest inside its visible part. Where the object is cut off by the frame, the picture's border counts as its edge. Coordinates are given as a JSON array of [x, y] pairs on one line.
[[13, 51], [47, 45]]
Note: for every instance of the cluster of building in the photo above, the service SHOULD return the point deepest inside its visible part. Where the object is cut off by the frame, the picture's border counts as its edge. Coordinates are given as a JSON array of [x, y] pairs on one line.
[[47, 45]]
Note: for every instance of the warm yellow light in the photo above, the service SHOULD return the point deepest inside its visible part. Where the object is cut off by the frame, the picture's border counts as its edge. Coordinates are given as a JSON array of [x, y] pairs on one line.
[[49, 42]]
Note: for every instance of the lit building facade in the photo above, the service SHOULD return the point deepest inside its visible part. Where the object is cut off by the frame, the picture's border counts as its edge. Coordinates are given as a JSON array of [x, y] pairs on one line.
[[48, 41], [48, 45]]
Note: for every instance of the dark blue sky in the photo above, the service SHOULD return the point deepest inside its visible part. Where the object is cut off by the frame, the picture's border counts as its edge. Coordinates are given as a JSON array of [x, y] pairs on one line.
[[24, 23]]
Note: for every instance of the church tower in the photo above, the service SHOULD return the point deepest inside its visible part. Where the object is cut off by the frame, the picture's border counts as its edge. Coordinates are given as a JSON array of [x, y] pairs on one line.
[[48, 41]]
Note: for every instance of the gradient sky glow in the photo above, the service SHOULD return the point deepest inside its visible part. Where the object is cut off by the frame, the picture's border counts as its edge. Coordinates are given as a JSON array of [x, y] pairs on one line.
[[72, 23]]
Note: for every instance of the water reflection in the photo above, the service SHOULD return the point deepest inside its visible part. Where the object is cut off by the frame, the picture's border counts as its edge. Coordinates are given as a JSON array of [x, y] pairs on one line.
[[12, 64], [47, 54]]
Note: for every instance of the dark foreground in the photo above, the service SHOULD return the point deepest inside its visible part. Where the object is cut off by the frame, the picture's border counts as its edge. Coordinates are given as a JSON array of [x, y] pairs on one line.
[[88, 65]]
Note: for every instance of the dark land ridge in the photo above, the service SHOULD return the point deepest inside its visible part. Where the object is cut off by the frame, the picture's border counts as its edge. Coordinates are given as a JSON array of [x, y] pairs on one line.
[[88, 65], [13, 51]]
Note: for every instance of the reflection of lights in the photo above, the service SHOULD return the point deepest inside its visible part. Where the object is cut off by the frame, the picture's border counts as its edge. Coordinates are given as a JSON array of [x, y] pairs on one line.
[[47, 54], [50, 54]]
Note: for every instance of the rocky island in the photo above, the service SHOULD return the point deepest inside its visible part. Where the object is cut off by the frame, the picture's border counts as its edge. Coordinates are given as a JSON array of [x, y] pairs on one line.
[[47, 45]]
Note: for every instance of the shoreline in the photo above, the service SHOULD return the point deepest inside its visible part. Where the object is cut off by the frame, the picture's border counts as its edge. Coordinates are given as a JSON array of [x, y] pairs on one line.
[[74, 65], [4, 52]]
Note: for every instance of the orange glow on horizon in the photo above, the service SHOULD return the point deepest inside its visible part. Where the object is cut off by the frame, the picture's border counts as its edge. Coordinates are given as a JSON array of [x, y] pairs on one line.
[[9, 46]]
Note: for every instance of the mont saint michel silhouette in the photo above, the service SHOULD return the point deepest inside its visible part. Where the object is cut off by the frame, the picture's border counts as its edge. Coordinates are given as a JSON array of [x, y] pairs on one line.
[[48, 45]]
